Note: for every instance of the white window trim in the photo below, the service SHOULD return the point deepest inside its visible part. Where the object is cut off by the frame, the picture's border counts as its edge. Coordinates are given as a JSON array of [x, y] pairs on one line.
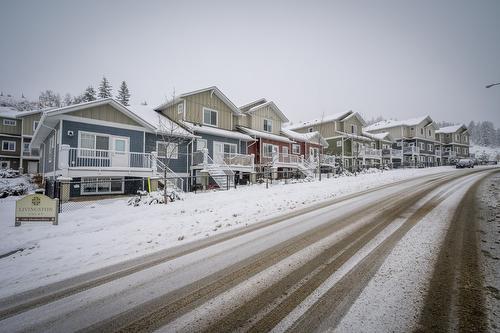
[[24, 146], [354, 129], [10, 122], [35, 125], [339, 143], [264, 153], [180, 108], [201, 140], [284, 150], [269, 122], [295, 145], [310, 129], [101, 180], [173, 155], [95, 134], [216, 117], [8, 146]]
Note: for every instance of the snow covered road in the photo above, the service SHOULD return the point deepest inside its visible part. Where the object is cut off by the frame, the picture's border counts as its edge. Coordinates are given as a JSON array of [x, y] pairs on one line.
[[339, 266]]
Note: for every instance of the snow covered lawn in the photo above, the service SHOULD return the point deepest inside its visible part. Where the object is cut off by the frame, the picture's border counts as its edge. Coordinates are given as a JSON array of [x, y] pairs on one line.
[[110, 231]]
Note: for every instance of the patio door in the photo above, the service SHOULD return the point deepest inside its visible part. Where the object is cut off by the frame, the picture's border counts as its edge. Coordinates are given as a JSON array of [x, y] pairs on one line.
[[222, 150], [120, 155]]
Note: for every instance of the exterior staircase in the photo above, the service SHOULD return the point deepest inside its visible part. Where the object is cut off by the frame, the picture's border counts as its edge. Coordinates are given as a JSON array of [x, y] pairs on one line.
[[307, 166], [220, 172], [172, 180]]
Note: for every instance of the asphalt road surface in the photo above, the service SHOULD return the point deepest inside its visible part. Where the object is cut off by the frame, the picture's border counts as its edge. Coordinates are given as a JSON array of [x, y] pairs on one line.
[[408, 256]]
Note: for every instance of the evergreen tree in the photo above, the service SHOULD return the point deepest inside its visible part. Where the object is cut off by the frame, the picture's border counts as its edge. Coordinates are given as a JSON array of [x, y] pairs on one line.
[[104, 88], [89, 94], [78, 99], [123, 94]]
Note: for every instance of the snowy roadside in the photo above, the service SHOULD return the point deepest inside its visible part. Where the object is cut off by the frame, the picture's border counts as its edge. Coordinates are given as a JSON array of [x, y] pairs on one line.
[[110, 231]]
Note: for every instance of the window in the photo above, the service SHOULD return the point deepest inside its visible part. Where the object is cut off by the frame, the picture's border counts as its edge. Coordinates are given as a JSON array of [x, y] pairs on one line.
[[201, 144], [269, 149], [93, 145], [209, 117], [457, 137], [35, 125], [398, 144], [430, 134], [354, 129], [339, 143], [421, 145], [180, 108], [167, 149], [422, 131], [9, 122], [296, 149], [466, 139], [8, 145], [26, 147], [310, 129], [429, 147], [284, 150], [105, 185], [268, 125]]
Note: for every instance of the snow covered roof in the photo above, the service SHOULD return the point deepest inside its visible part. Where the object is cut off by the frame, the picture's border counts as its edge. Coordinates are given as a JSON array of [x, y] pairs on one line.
[[317, 121], [248, 106], [214, 89], [352, 136], [273, 106], [394, 123], [8, 112], [451, 129], [264, 135], [216, 131], [158, 121], [384, 136], [311, 137]]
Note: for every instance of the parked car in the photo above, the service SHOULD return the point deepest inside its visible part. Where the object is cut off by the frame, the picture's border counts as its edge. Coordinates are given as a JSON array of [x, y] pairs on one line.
[[465, 163]]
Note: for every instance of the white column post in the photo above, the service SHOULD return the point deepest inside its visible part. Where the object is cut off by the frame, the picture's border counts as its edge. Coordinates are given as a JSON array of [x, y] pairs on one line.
[[63, 159], [154, 161]]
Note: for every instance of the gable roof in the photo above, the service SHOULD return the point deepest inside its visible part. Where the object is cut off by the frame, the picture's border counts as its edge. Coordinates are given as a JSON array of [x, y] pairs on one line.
[[248, 106], [265, 135], [158, 121], [310, 137], [48, 119], [214, 89], [273, 106], [384, 136], [318, 121], [451, 129], [216, 131], [395, 123], [356, 115]]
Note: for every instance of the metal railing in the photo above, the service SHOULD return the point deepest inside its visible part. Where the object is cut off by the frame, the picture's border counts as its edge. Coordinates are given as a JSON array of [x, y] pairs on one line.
[[411, 150], [163, 171], [276, 158], [397, 153]]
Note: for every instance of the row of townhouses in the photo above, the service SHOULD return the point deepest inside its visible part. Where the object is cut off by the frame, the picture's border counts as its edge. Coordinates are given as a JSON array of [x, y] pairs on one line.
[[203, 135]]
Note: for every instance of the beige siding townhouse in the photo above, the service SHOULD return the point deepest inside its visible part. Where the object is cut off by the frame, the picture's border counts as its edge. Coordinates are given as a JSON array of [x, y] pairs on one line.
[[454, 143]]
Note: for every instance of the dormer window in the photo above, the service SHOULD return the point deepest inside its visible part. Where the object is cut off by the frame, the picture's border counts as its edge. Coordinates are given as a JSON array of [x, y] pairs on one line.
[[268, 125], [9, 122], [209, 117], [430, 133], [180, 108], [354, 129], [422, 131]]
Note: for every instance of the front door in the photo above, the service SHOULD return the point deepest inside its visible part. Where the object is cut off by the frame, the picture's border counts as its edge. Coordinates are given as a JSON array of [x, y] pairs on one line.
[[218, 152], [120, 155]]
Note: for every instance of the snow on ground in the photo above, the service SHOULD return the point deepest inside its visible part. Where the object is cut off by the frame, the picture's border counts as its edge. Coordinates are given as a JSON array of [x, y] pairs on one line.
[[109, 231], [392, 300]]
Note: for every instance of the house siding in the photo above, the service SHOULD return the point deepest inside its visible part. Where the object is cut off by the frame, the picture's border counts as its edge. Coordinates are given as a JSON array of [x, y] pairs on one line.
[[266, 112], [16, 139], [136, 137], [211, 138], [12, 130], [178, 165], [105, 113], [28, 123]]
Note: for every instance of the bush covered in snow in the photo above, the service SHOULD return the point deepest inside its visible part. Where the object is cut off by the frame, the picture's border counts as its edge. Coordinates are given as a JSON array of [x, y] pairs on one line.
[[156, 197], [8, 173]]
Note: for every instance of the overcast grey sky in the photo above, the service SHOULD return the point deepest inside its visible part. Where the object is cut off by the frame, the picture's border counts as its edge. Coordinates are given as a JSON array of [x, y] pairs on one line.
[[397, 59]]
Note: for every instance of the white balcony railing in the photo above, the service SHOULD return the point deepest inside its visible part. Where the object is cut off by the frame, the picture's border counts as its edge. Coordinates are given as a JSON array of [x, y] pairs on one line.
[[370, 152], [280, 158], [99, 158], [392, 153], [411, 150], [230, 159], [450, 154]]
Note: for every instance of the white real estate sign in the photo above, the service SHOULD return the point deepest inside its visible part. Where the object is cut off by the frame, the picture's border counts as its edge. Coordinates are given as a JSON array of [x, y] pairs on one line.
[[36, 208]]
